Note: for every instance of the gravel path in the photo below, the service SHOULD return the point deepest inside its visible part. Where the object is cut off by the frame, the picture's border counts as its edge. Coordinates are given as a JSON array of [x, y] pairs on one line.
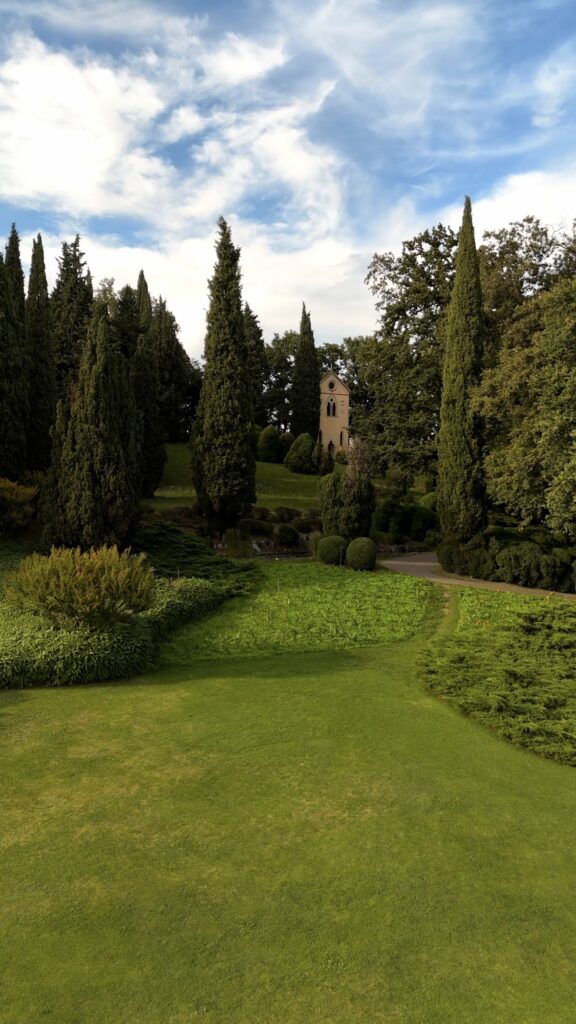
[[425, 565]]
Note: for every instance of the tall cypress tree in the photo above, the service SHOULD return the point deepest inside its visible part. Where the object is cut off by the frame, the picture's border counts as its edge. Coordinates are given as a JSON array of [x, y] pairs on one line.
[[306, 382], [179, 378], [13, 406], [15, 276], [257, 366], [223, 454], [42, 367], [146, 393], [70, 308], [461, 499], [93, 480]]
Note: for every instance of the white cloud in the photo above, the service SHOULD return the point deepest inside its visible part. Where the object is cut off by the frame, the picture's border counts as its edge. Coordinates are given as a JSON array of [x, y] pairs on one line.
[[555, 83], [238, 60], [183, 122]]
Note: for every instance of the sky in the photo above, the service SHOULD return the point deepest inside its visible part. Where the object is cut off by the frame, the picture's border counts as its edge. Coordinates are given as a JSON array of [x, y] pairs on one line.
[[322, 130]]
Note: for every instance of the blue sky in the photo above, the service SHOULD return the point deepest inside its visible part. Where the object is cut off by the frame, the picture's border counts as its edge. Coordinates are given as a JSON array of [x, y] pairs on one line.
[[324, 130]]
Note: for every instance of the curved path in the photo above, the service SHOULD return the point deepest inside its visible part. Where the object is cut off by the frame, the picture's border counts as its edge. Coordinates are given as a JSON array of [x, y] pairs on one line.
[[426, 566]]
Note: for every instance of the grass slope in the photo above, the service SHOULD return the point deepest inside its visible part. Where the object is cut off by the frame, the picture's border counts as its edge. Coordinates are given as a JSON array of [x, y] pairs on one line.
[[274, 840]]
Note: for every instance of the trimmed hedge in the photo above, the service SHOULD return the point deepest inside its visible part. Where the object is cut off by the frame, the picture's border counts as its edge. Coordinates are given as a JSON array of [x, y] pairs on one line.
[[35, 653], [361, 554], [508, 556], [331, 550]]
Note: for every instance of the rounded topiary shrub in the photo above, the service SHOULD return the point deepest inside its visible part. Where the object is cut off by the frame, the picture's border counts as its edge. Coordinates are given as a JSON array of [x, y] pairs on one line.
[[269, 446], [448, 553], [287, 535], [331, 550], [361, 554], [301, 457]]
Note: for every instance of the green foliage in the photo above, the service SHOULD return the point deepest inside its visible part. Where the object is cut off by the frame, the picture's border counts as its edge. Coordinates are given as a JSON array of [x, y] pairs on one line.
[[430, 500], [301, 457], [17, 506], [13, 377], [511, 556], [146, 384], [294, 610], [174, 553], [70, 309], [279, 366], [285, 514], [341, 457], [303, 524], [33, 654], [237, 542], [257, 527], [257, 367], [94, 588], [41, 362], [331, 550], [460, 479], [347, 503], [92, 495], [510, 665], [287, 535], [305, 393], [269, 446], [286, 441], [361, 554], [179, 377], [223, 456]]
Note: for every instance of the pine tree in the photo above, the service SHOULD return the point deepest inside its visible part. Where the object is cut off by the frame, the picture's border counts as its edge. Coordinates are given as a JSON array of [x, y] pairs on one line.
[[70, 307], [306, 382], [460, 478], [13, 408], [257, 367], [223, 452], [146, 391], [92, 483], [42, 368]]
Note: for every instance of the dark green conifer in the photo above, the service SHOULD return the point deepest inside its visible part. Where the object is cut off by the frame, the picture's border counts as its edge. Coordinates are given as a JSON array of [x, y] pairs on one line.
[[146, 393], [257, 366], [42, 368], [13, 404], [460, 478], [223, 450], [93, 480], [180, 379], [15, 276], [306, 382], [125, 324], [70, 307]]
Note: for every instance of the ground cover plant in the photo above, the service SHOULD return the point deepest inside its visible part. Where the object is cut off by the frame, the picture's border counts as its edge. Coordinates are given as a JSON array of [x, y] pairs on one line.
[[306, 606], [511, 664]]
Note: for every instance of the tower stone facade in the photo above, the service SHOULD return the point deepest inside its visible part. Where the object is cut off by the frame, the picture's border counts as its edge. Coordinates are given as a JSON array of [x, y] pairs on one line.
[[334, 413]]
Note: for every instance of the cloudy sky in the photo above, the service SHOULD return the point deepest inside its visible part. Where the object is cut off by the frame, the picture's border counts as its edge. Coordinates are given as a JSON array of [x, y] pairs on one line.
[[322, 129]]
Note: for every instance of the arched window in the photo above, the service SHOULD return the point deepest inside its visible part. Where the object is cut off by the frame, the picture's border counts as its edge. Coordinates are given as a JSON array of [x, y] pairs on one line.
[[331, 407]]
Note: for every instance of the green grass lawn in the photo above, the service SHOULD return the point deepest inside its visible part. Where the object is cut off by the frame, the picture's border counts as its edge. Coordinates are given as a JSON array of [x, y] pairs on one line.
[[275, 485], [273, 839]]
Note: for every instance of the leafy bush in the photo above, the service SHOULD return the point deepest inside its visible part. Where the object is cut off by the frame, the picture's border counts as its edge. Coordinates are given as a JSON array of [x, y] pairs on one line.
[[300, 458], [398, 481], [257, 527], [430, 500], [284, 514], [262, 513], [16, 506], [34, 654], [93, 588], [331, 550], [302, 524], [287, 535], [325, 463], [341, 457], [269, 446], [361, 553], [286, 442], [422, 521], [347, 502], [497, 554], [448, 554], [174, 552]]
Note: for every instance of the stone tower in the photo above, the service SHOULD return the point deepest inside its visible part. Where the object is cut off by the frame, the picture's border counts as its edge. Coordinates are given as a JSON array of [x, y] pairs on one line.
[[334, 413]]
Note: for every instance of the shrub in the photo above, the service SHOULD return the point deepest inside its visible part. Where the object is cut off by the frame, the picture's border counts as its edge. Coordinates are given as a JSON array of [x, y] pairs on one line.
[[361, 554], [347, 502], [263, 514], [341, 457], [528, 565], [94, 588], [257, 527], [300, 458], [429, 500], [16, 506], [330, 504], [398, 481], [174, 552], [284, 514], [286, 442], [269, 446], [287, 536], [331, 550], [326, 464], [422, 520], [237, 542], [313, 542], [448, 554], [302, 524]]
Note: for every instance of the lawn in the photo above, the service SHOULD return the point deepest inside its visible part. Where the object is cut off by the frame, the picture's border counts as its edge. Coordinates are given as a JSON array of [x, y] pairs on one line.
[[272, 839]]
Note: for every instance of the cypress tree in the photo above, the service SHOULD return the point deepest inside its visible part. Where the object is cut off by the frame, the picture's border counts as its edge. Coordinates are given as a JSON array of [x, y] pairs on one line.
[[179, 378], [152, 454], [15, 276], [306, 382], [125, 324], [15, 279], [93, 483], [223, 452], [12, 373], [70, 307], [257, 366], [460, 478], [42, 368]]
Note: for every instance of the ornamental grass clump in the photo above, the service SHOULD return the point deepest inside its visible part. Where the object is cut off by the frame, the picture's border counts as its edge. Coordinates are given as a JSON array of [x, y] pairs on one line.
[[95, 588]]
